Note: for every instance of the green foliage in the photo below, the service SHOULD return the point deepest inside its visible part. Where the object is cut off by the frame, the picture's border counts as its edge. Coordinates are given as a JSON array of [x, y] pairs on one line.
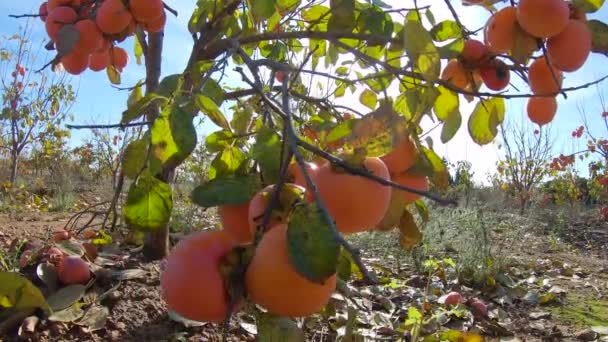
[[149, 203]]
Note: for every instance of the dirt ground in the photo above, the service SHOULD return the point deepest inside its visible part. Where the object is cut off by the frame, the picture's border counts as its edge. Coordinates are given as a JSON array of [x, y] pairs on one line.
[[555, 288]]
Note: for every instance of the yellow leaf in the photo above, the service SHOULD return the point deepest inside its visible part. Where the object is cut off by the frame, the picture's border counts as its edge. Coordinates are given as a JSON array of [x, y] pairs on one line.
[[19, 293], [393, 214]]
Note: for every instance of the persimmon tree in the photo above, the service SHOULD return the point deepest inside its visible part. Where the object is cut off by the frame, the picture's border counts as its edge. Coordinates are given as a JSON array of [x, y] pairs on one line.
[[34, 105], [296, 165]]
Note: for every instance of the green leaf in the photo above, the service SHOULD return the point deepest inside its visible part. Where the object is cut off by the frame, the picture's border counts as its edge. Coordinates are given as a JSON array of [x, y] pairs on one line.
[[170, 84], [286, 7], [173, 136], [446, 104], [226, 190], [68, 35], [452, 50], [342, 15], [315, 13], [218, 141], [138, 51], [135, 96], [149, 203], [267, 152], [423, 210], [261, 9], [274, 328], [227, 162], [447, 29], [451, 126], [113, 75], [369, 99], [421, 50], [18, 293], [134, 158], [138, 109], [524, 45], [66, 296], [588, 6], [485, 119], [241, 119], [599, 36], [311, 245], [210, 108]]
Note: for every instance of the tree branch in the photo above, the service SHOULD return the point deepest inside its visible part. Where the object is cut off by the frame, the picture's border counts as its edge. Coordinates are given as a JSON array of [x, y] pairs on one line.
[[109, 126]]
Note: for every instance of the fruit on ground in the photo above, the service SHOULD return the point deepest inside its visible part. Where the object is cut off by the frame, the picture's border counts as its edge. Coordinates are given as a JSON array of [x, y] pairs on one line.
[[569, 50], [479, 307], [541, 110], [456, 74], [235, 221], [26, 258], [60, 235], [412, 181], [402, 157], [146, 10], [191, 283], [273, 282], [495, 75], [73, 270], [113, 17], [54, 253], [454, 298], [544, 79], [260, 200], [500, 30], [57, 18], [355, 203], [90, 37], [474, 51], [118, 58], [75, 62], [543, 18]]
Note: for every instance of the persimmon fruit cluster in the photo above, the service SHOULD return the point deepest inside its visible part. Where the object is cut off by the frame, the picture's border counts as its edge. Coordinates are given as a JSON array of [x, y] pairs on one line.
[[91, 28], [558, 26], [193, 283]]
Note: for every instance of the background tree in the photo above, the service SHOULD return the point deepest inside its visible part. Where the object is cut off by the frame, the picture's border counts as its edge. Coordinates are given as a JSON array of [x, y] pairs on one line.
[[34, 105], [525, 160]]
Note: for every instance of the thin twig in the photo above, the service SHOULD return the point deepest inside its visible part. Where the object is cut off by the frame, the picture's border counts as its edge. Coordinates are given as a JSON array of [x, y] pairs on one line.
[[168, 8], [119, 125]]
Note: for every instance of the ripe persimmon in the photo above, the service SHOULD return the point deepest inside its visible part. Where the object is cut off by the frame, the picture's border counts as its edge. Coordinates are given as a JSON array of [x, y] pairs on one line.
[[412, 181], [569, 50], [191, 282], [43, 11], [474, 52], [355, 203], [57, 18], [118, 57], [295, 175], [495, 75], [90, 38], [146, 10], [112, 17], [75, 62], [289, 193], [542, 80], [500, 30], [456, 74], [543, 18], [99, 60], [235, 221], [52, 4], [401, 157], [541, 110], [273, 282], [156, 25]]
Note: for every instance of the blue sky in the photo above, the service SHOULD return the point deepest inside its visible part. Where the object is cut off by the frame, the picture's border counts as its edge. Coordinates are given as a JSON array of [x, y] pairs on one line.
[[99, 102]]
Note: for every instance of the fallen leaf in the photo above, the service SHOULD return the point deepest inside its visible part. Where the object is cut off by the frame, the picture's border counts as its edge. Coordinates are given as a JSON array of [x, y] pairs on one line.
[[129, 274], [48, 274], [95, 317], [28, 326], [66, 296], [70, 314]]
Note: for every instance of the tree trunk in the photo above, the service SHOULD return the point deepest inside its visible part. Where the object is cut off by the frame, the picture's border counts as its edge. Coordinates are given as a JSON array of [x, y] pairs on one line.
[[14, 164], [156, 243]]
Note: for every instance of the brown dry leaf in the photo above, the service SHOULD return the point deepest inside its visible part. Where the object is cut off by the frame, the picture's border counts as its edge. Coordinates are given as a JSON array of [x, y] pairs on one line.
[[409, 235]]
